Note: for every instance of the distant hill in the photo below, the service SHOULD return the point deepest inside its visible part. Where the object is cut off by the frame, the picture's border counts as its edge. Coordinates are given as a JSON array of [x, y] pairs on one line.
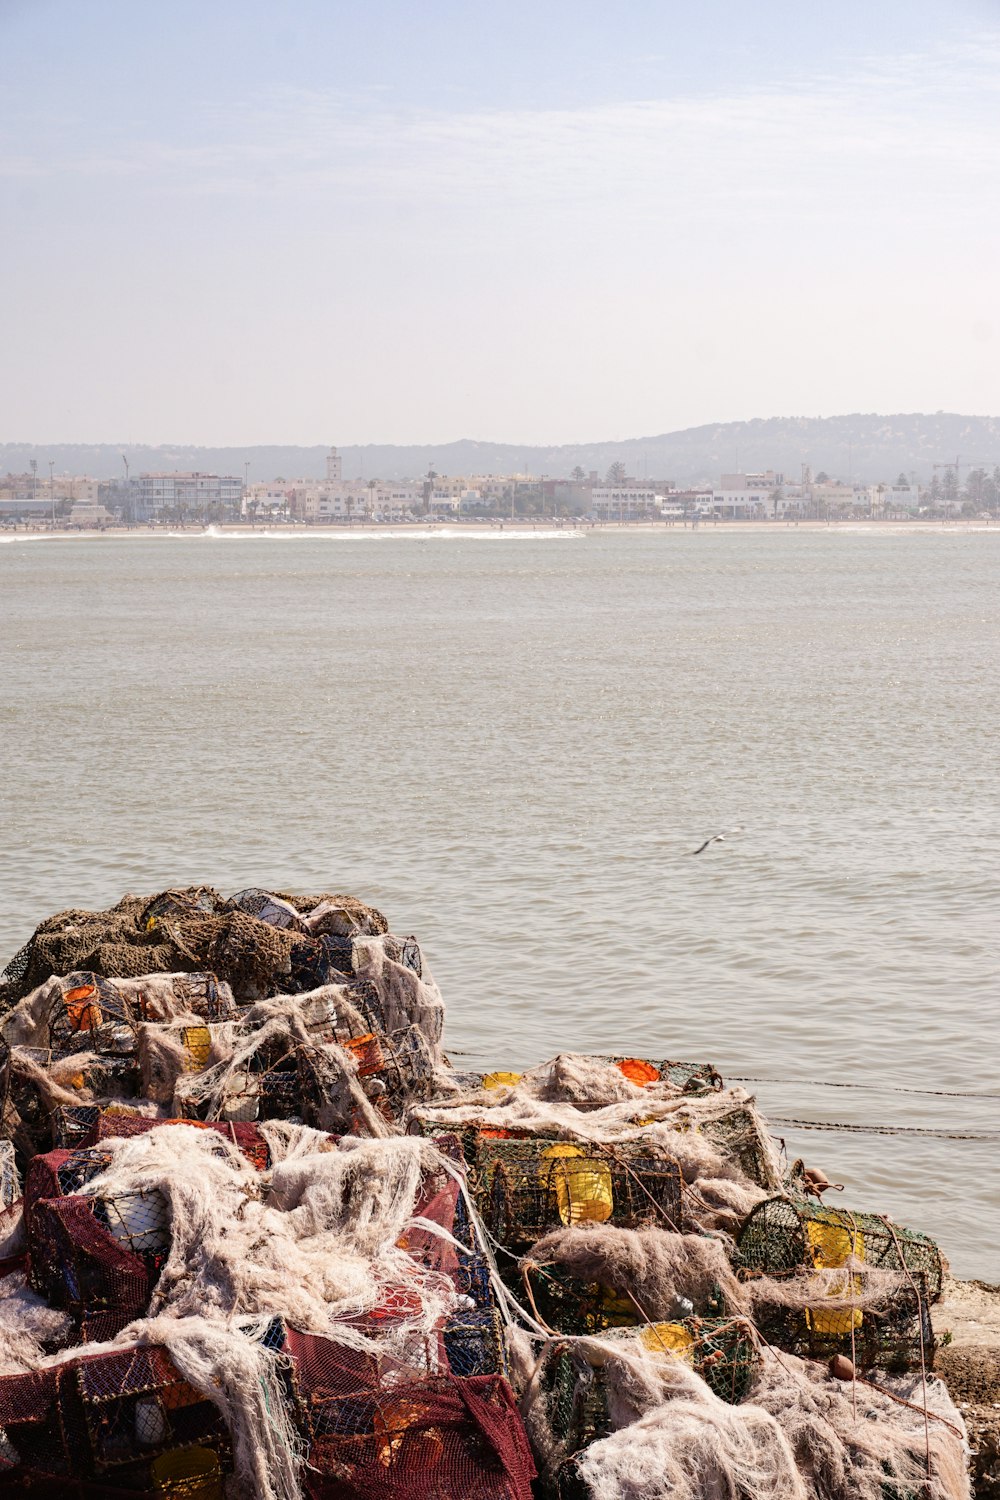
[[860, 446]]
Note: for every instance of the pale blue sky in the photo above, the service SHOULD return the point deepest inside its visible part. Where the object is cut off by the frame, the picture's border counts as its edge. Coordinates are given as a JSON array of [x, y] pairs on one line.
[[237, 222]]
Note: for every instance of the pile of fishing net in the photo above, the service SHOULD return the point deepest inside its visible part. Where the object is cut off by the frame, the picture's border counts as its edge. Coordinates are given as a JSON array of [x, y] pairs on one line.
[[259, 1237]]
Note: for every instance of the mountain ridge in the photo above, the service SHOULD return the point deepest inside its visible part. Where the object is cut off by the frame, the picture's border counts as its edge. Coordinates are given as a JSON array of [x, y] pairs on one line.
[[867, 447]]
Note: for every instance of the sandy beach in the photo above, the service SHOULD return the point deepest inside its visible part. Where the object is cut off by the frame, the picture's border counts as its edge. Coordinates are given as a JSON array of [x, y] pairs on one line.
[[519, 526]]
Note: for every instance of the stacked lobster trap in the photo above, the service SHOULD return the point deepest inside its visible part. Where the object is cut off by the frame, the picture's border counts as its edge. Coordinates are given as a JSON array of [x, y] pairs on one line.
[[116, 1423], [575, 1392], [873, 1305], [523, 1188], [275, 1039]]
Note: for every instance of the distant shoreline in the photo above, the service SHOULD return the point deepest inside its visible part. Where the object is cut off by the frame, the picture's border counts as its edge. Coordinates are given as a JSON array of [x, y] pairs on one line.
[[521, 525]]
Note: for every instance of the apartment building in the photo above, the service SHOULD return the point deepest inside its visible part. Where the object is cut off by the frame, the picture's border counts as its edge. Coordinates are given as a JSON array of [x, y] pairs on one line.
[[197, 493], [624, 503]]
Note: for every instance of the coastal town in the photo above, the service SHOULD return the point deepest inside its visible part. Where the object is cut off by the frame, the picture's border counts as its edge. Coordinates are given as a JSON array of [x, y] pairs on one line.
[[62, 502]]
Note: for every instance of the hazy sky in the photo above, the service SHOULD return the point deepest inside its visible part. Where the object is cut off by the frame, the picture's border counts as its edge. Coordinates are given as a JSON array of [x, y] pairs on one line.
[[231, 221]]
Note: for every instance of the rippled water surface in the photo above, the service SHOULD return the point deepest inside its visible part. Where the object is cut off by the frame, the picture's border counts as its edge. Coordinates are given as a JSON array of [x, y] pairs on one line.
[[511, 744]]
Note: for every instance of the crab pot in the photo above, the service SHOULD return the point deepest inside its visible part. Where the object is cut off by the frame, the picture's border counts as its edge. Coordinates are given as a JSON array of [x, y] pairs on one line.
[[72, 1124], [98, 1257], [136, 1408], [194, 1044], [574, 1381], [364, 996], [93, 1014], [474, 1342], [569, 1305], [107, 1420], [114, 1076], [60, 1174], [407, 1068], [452, 1435], [203, 995], [895, 1337], [280, 1094], [788, 1234], [473, 1277], [690, 1078], [25, 1117], [476, 1142], [738, 1133], [391, 1069], [98, 1260], [31, 1419], [784, 1237], [374, 1429], [270, 1094], [29, 1120], [116, 1124], [267, 907], [316, 961], [179, 905], [525, 1188]]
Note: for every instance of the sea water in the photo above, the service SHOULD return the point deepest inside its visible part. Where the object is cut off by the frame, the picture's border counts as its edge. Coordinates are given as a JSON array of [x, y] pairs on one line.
[[513, 741]]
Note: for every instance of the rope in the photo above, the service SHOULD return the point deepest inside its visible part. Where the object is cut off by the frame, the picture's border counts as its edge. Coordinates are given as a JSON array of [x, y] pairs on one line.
[[887, 1088], [827, 1083], [938, 1135], [920, 1324]]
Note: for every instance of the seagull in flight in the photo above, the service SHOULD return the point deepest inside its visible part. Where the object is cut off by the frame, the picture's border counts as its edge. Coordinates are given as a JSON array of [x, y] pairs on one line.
[[717, 838]]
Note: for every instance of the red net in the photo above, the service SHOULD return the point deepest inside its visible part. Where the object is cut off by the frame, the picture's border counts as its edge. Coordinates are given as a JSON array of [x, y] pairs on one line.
[[374, 1434], [77, 1264], [247, 1138], [105, 1420]]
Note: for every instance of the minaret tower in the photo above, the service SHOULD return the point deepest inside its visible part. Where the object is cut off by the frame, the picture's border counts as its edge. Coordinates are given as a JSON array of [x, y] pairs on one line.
[[333, 465]]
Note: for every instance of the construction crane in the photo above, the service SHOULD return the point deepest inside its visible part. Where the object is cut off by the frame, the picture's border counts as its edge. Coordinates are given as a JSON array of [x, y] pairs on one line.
[[958, 465]]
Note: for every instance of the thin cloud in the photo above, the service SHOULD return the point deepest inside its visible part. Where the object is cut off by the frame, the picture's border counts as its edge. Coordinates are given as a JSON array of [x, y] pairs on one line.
[[913, 114]]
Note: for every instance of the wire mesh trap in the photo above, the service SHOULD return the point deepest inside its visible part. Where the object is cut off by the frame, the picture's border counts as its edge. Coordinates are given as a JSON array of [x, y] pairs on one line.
[[690, 1078], [374, 1434], [568, 1304], [35, 1082], [109, 1417], [267, 907], [895, 1337], [475, 1343], [523, 1188], [785, 1234], [575, 1392], [740, 1135], [886, 1326], [78, 1264], [98, 1258], [176, 905]]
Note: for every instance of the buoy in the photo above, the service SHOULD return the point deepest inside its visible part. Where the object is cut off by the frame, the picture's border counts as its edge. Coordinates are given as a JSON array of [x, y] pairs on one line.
[[841, 1367]]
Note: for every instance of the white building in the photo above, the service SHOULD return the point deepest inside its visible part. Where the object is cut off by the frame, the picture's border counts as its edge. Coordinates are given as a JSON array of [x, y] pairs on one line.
[[267, 499], [397, 502], [896, 497], [765, 479], [625, 503], [352, 500], [741, 505], [182, 493], [87, 513]]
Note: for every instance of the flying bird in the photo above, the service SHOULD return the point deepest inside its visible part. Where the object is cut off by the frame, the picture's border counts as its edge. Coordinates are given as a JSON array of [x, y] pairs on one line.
[[717, 838]]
